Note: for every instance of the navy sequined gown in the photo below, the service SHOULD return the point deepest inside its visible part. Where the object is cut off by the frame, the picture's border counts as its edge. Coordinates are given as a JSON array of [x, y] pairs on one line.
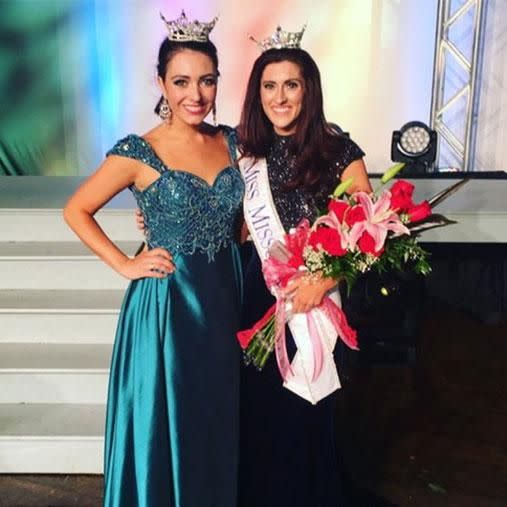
[[173, 407], [288, 456]]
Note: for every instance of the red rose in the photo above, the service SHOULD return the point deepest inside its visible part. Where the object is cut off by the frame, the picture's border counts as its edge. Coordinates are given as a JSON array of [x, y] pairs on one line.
[[338, 207], [245, 337], [402, 187], [328, 239], [366, 244], [401, 195], [355, 214], [419, 211], [296, 242]]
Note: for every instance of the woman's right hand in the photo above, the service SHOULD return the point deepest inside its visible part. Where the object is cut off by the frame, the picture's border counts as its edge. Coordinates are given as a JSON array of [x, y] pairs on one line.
[[156, 263], [140, 221]]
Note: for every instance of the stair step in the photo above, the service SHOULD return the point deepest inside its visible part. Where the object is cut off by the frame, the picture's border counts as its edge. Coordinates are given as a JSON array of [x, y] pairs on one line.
[[59, 307], [50, 192], [46, 420], [60, 301], [59, 316], [55, 357], [48, 225], [51, 438], [57, 250], [66, 265], [89, 274], [54, 373]]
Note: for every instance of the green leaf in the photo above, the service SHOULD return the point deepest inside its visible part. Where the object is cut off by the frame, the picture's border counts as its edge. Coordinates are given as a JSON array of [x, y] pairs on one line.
[[343, 187], [392, 172]]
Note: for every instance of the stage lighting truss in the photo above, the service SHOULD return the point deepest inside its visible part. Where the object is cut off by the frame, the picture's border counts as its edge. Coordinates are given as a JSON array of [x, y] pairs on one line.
[[456, 75]]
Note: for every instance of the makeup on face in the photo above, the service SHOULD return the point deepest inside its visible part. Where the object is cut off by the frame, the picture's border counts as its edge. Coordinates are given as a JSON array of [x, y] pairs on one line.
[[282, 92], [190, 86]]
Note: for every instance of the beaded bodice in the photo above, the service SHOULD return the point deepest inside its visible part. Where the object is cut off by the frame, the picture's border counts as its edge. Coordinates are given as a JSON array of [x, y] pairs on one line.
[[295, 204], [182, 212]]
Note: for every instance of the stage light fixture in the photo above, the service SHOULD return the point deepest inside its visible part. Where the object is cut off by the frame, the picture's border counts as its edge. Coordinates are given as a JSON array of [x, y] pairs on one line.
[[415, 144]]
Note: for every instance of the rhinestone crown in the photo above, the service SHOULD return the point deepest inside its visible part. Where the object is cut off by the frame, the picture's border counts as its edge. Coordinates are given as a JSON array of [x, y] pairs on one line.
[[183, 30], [281, 40]]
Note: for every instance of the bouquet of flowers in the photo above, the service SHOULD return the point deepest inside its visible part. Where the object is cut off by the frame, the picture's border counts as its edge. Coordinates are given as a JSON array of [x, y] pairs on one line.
[[355, 234]]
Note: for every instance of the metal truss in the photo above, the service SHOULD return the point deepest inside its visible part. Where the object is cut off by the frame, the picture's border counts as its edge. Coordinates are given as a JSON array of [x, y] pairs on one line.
[[455, 98]]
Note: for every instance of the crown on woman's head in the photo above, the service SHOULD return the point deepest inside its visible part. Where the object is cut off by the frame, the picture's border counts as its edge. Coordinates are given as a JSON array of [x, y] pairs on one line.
[[183, 30], [281, 40]]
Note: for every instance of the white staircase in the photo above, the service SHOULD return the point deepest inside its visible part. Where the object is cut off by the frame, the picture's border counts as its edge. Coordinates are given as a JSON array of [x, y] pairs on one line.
[[58, 310]]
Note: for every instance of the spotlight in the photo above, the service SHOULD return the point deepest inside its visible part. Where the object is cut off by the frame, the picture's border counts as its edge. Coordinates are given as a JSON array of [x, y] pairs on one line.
[[416, 145]]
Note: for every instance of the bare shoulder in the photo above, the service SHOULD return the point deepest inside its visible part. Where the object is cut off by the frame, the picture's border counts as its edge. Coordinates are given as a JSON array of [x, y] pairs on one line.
[[155, 134]]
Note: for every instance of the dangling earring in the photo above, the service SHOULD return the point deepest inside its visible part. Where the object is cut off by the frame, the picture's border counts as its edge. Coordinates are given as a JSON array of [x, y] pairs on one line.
[[164, 111], [214, 113]]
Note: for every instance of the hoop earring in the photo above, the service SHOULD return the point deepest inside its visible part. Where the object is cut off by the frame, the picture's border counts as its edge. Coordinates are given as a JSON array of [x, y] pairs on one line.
[[165, 112], [214, 113]]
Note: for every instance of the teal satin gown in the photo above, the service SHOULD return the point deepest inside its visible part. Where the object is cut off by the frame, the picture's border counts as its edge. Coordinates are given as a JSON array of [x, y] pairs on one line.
[[172, 415]]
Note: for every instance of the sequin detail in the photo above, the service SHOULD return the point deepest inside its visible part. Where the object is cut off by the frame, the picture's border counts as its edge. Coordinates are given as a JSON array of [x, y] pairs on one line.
[[295, 204], [182, 212]]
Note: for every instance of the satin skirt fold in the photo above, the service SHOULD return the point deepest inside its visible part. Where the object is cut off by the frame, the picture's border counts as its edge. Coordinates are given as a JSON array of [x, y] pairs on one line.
[[173, 405]]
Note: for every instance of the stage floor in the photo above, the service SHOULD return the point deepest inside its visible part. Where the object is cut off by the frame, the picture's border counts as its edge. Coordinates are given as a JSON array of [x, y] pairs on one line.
[[429, 435]]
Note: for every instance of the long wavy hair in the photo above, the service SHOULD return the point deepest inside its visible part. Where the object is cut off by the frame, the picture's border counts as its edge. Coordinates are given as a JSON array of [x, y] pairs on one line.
[[315, 145]]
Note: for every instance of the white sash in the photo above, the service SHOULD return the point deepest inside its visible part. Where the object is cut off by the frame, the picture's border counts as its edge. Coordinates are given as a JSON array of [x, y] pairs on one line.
[[265, 227]]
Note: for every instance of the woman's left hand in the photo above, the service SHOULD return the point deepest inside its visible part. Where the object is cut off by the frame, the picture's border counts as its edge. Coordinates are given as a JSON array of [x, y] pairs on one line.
[[307, 292]]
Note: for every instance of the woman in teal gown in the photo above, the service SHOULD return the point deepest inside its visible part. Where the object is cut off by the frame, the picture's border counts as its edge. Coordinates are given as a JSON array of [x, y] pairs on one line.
[[171, 436], [172, 413]]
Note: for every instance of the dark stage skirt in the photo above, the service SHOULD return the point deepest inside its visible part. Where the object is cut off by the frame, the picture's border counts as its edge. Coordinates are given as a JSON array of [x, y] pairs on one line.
[[288, 451]]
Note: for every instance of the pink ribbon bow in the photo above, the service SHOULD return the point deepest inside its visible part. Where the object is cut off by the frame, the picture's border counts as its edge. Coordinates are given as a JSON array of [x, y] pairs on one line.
[[278, 273]]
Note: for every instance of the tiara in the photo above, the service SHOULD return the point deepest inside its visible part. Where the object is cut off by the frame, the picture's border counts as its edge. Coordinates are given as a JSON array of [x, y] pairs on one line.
[[183, 30], [281, 40]]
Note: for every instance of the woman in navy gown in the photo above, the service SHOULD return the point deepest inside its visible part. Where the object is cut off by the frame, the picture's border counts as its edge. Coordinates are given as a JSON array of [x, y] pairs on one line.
[[173, 408], [288, 456]]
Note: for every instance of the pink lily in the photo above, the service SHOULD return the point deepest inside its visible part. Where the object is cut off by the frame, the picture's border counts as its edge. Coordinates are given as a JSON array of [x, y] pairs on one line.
[[380, 218], [331, 220]]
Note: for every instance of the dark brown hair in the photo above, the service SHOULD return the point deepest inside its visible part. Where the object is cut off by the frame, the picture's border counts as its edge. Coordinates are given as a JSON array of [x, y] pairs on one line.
[[315, 145], [169, 48]]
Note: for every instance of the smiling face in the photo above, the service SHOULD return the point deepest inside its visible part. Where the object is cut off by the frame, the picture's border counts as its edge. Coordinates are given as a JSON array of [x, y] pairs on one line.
[[282, 93], [190, 86]]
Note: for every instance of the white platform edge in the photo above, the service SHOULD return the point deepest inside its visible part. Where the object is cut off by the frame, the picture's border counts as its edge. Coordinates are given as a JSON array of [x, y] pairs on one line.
[[471, 228], [51, 455], [118, 224], [54, 386]]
